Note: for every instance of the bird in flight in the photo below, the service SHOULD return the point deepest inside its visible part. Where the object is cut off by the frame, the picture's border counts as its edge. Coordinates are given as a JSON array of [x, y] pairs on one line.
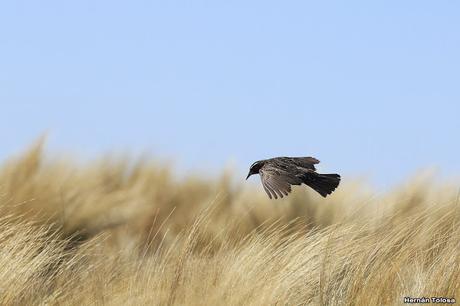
[[279, 173]]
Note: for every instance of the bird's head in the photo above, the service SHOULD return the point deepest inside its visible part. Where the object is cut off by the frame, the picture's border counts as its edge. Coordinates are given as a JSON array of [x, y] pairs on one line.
[[255, 167]]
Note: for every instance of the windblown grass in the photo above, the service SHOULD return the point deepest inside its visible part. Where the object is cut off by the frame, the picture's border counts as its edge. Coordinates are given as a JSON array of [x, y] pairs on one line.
[[114, 232]]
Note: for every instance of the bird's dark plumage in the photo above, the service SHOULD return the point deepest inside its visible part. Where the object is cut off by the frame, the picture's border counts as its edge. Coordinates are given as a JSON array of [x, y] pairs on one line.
[[279, 173]]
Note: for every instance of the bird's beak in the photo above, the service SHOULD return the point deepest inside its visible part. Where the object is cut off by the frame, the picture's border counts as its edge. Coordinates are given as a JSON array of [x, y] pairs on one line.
[[249, 174]]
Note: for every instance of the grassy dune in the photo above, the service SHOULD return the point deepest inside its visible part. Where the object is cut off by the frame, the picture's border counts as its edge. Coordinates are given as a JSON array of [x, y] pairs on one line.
[[118, 232]]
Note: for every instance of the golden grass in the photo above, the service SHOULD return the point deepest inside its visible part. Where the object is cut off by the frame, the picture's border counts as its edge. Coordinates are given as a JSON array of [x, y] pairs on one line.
[[120, 233]]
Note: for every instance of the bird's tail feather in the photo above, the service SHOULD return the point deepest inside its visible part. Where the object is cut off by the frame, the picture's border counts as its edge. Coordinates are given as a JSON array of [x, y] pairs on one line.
[[324, 184]]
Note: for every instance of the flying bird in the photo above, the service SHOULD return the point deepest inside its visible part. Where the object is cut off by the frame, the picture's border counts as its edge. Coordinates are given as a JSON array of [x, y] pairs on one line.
[[279, 173]]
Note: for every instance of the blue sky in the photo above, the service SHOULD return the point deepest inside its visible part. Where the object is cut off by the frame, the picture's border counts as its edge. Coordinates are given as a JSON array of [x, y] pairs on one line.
[[369, 87]]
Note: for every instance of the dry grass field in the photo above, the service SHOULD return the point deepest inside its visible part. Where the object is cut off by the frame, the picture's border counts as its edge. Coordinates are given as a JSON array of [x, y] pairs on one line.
[[123, 232]]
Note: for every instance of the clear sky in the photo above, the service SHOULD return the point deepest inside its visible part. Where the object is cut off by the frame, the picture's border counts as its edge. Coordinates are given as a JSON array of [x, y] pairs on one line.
[[369, 87]]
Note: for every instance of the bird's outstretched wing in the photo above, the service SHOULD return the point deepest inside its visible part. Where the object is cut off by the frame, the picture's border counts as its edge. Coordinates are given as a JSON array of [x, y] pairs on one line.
[[277, 182]]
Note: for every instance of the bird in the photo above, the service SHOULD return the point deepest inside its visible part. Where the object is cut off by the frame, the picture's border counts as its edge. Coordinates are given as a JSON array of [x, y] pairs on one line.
[[279, 173]]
